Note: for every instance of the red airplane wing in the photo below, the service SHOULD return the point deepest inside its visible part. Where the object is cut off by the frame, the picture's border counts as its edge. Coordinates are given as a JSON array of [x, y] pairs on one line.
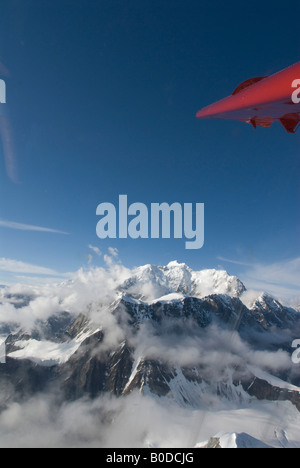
[[262, 101]]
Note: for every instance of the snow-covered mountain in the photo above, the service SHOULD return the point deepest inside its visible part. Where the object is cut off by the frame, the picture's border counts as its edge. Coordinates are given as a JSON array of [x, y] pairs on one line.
[[152, 282], [270, 312], [168, 333]]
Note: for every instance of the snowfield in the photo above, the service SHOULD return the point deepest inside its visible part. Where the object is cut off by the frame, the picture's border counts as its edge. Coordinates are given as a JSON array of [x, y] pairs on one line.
[[49, 353], [272, 424]]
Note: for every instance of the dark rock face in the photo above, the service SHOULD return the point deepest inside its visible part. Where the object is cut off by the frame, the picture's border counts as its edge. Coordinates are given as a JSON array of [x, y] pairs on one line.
[[119, 370], [230, 312], [153, 375], [263, 390], [20, 379], [270, 313], [84, 373], [213, 443]]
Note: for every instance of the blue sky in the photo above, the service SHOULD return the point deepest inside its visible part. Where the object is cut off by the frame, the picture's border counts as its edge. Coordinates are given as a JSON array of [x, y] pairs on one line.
[[102, 97]]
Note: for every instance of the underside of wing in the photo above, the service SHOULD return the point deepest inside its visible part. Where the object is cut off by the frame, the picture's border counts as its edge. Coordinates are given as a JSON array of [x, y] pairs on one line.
[[289, 121], [261, 122]]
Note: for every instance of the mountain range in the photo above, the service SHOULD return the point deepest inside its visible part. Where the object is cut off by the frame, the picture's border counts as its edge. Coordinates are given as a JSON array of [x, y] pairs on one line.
[[168, 333]]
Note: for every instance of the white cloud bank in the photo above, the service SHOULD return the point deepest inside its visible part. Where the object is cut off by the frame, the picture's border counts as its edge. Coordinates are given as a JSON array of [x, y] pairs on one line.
[[138, 421]]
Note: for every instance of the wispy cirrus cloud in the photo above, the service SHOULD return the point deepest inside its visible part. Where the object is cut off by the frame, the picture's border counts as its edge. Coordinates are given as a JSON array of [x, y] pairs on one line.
[[281, 279], [28, 227], [16, 266]]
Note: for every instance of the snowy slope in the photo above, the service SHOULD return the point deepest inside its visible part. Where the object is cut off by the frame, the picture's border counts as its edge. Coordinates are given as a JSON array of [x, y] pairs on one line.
[[260, 424], [50, 353], [274, 424], [233, 441]]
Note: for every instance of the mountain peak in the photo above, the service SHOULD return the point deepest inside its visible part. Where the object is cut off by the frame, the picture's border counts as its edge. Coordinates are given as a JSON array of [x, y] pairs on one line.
[[151, 282], [176, 264], [233, 441]]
